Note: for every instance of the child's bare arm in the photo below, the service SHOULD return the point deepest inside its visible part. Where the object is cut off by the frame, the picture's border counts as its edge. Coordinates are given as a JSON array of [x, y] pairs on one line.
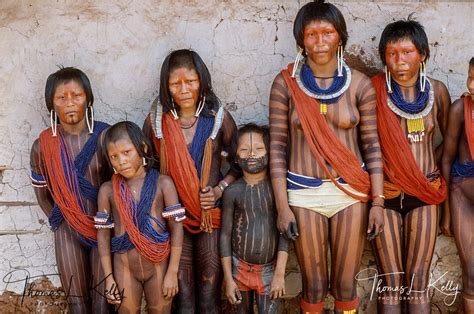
[[231, 289], [277, 287], [104, 246], [170, 282]]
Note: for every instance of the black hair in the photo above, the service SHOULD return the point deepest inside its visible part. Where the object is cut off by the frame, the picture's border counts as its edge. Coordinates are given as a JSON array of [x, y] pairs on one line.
[[471, 62], [65, 75], [254, 128], [189, 59], [129, 129], [319, 11], [404, 29]]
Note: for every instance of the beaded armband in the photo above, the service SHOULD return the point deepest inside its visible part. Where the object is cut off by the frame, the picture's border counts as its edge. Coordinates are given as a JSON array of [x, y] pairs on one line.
[[37, 180], [103, 221], [177, 211]]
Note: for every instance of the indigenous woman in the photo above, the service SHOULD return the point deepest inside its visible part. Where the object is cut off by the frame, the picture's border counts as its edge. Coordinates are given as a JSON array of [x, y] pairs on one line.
[[458, 156], [190, 129], [323, 114], [410, 108], [67, 170]]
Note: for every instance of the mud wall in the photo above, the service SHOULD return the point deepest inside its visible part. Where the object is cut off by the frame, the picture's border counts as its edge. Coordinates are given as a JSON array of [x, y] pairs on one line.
[[120, 45]]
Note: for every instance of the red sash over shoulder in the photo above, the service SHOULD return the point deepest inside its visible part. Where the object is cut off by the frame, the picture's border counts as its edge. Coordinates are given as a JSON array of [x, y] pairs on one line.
[[62, 185], [180, 166], [399, 164], [323, 142], [469, 123]]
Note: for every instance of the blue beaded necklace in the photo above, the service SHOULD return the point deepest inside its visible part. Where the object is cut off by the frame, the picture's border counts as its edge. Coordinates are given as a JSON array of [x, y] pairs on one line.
[[415, 107], [310, 83]]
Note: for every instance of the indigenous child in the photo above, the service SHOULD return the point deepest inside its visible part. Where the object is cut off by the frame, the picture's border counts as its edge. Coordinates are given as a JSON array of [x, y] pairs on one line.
[[249, 239], [67, 169], [148, 236], [410, 108], [458, 169]]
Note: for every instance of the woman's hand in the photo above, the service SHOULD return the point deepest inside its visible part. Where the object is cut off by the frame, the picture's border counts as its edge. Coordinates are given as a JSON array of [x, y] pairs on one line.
[[208, 197], [376, 222]]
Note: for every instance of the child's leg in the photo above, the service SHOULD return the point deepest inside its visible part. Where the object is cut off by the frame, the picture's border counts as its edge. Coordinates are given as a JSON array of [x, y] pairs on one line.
[[153, 287], [246, 305], [126, 282], [267, 305]]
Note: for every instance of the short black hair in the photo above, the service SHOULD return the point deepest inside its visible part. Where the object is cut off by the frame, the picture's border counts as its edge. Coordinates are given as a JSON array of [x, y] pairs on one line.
[[129, 129], [319, 11], [471, 62], [189, 59], [65, 75], [404, 29], [254, 128]]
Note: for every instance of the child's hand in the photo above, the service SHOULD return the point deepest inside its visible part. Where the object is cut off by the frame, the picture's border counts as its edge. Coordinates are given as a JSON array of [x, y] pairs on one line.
[[112, 292], [277, 287], [232, 292], [170, 285]]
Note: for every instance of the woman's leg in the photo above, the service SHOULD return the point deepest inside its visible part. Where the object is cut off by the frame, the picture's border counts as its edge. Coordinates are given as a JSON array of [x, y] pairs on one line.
[[462, 222], [185, 301], [73, 264], [388, 248], [421, 226], [311, 250], [209, 271], [348, 236]]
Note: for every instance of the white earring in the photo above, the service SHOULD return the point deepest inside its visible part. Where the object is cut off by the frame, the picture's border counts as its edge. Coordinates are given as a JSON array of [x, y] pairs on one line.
[[115, 171], [422, 76], [200, 107], [173, 110], [144, 161], [298, 59], [54, 122], [340, 59], [388, 80], [90, 124]]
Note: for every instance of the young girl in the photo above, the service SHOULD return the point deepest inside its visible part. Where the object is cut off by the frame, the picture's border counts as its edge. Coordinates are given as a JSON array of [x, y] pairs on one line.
[[147, 235]]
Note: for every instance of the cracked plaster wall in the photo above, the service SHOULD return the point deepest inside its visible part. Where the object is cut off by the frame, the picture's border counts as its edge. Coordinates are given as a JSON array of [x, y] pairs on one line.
[[121, 44]]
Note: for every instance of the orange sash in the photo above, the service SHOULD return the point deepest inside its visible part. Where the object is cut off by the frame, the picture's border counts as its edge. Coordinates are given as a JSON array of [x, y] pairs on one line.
[[399, 164], [179, 165], [324, 144]]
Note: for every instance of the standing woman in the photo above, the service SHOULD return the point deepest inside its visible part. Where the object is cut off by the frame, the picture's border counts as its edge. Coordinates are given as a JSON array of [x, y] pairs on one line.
[[323, 131], [410, 107], [190, 128], [458, 169], [67, 169]]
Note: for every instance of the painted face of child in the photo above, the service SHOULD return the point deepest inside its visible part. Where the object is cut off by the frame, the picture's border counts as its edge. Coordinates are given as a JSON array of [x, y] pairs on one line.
[[252, 155], [125, 159], [70, 102]]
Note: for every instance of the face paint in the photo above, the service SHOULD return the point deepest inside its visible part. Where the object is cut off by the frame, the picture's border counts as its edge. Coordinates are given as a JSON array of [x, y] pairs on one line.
[[253, 165]]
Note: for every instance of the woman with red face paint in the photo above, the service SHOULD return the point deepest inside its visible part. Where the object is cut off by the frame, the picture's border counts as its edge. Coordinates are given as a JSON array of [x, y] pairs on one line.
[[323, 114], [190, 128], [411, 109], [67, 169], [458, 169]]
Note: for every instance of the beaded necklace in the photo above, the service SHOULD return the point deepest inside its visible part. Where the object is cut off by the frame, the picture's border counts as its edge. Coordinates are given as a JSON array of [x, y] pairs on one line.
[[413, 112], [307, 83]]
